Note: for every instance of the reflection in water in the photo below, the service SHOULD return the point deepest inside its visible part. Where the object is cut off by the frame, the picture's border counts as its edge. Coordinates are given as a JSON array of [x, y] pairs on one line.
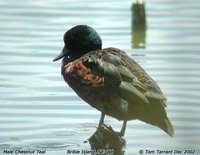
[[138, 25], [38, 112], [105, 139]]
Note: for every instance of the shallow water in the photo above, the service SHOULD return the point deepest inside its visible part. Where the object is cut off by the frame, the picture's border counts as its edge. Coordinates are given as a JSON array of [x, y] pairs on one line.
[[39, 111]]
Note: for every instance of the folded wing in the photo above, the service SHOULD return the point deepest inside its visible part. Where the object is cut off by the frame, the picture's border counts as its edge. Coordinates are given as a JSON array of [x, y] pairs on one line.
[[146, 101]]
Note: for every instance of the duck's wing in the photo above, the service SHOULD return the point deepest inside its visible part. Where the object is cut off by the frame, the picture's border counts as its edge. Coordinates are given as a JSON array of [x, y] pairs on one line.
[[133, 84], [123, 72]]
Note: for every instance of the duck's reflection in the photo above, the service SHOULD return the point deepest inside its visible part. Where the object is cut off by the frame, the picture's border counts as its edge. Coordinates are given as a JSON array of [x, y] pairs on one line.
[[107, 141], [138, 25]]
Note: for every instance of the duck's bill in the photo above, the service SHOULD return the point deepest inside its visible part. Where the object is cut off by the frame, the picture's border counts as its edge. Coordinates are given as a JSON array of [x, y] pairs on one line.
[[62, 54]]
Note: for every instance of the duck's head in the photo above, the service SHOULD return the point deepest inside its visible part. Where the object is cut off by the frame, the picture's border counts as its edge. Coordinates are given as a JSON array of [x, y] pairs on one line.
[[79, 40]]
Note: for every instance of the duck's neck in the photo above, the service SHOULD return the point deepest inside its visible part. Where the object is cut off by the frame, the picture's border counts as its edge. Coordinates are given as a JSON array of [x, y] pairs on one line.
[[69, 59]]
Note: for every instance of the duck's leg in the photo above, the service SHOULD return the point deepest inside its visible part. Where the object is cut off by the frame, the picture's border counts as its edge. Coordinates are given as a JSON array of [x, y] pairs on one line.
[[102, 118], [122, 132]]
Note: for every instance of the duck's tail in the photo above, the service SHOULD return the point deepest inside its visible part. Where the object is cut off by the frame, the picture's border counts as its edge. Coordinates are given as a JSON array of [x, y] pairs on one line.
[[154, 114], [166, 126]]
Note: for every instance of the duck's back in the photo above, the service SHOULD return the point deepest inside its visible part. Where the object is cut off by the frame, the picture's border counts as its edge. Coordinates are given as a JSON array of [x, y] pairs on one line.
[[110, 73]]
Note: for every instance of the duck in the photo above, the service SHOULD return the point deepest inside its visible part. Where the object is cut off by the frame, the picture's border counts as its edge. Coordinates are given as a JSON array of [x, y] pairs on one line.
[[111, 81]]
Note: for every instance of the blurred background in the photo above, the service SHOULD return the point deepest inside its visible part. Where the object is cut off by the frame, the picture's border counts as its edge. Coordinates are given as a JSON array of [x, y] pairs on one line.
[[39, 111]]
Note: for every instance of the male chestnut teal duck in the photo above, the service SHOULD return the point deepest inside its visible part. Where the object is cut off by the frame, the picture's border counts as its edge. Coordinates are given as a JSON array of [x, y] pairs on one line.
[[110, 81]]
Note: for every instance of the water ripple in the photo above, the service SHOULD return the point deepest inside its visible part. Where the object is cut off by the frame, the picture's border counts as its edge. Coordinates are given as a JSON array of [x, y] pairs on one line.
[[39, 110]]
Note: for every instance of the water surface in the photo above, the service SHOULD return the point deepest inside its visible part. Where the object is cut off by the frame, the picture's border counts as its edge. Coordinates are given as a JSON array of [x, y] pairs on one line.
[[39, 111]]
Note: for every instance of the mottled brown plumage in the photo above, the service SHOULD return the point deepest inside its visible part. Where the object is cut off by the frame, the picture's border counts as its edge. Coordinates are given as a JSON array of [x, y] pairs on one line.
[[110, 81]]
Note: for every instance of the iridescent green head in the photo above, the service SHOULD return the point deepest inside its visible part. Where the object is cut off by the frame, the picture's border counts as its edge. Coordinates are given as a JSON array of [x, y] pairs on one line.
[[80, 40]]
